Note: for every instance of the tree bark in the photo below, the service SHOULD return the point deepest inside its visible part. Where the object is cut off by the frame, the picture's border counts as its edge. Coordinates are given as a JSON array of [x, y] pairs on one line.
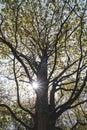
[[43, 120], [41, 113], [42, 95]]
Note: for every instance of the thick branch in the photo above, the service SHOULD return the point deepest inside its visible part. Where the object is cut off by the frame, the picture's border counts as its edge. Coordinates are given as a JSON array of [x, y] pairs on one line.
[[18, 96], [15, 117], [16, 56], [67, 105]]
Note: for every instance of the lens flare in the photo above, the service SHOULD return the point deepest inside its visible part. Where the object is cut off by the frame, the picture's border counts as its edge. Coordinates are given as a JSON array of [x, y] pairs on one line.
[[35, 85]]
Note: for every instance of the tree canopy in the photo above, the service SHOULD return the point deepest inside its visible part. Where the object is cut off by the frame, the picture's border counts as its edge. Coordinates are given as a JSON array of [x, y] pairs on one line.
[[45, 44]]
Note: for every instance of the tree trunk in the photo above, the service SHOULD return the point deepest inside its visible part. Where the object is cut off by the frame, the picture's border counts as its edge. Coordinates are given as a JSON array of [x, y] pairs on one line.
[[52, 124], [42, 110], [44, 121]]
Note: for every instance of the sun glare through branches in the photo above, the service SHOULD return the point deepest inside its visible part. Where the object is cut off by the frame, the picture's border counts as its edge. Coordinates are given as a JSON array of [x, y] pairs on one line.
[[35, 85]]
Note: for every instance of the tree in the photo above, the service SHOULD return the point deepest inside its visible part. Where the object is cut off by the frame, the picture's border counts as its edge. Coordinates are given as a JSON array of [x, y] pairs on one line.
[[46, 43]]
